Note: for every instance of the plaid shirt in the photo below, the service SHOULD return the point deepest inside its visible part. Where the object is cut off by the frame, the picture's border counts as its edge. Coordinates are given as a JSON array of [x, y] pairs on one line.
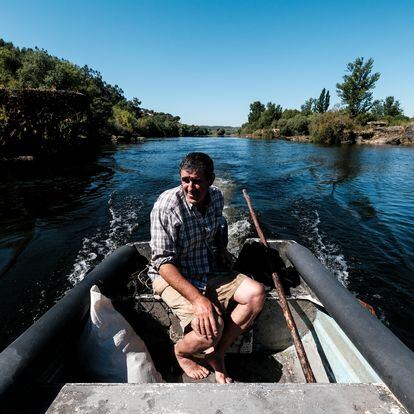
[[181, 235]]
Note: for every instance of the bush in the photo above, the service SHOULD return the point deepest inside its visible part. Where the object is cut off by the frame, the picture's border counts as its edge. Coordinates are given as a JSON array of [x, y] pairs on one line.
[[297, 125], [331, 128], [284, 128], [363, 119], [124, 120], [290, 113]]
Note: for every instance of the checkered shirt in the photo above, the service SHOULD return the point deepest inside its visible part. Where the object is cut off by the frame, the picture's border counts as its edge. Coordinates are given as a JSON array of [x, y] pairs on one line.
[[181, 235]]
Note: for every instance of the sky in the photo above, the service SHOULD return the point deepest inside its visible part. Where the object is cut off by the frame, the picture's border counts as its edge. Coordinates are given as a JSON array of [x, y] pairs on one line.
[[206, 61]]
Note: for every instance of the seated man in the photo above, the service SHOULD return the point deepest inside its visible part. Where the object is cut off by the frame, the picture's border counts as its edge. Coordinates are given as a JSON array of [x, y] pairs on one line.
[[184, 222]]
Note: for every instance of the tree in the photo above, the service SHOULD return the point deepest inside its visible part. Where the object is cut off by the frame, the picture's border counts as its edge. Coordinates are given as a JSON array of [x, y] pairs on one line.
[[356, 89], [377, 108], [35, 67], [388, 107], [290, 113], [64, 76], [271, 114], [322, 103], [392, 107], [256, 109], [327, 101], [307, 107], [9, 64], [274, 111]]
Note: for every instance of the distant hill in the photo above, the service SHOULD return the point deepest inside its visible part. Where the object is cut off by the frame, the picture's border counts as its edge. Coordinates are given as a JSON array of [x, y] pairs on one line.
[[218, 129]]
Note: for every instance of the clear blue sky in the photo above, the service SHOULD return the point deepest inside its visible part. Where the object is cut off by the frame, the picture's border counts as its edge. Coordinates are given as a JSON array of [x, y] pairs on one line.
[[206, 61]]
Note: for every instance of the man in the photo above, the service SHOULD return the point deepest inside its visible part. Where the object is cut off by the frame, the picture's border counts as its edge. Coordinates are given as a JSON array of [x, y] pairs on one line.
[[184, 223]]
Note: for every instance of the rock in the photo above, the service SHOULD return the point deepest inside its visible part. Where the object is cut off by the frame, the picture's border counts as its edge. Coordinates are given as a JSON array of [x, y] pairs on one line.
[[24, 158], [378, 123], [276, 132], [120, 139], [409, 134], [298, 138], [390, 135]]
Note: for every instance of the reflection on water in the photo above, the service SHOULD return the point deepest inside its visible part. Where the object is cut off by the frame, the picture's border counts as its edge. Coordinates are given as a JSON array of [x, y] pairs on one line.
[[352, 206]]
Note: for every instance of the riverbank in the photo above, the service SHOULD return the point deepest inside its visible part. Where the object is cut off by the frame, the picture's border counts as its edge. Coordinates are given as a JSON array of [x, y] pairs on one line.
[[371, 135]]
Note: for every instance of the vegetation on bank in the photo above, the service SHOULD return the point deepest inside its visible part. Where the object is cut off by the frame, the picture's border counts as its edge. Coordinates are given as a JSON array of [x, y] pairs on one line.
[[109, 111], [329, 125], [44, 124]]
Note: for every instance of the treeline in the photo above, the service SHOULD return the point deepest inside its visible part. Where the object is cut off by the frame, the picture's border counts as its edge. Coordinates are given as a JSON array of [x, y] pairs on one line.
[[323, 123], [110, 113]]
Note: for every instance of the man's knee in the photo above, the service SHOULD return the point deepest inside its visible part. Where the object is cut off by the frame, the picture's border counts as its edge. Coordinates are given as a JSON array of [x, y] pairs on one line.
[[215, 338], [257, 296], [251, 293]]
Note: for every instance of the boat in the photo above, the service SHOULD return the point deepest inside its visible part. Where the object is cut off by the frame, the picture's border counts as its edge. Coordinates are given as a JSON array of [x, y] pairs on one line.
[[358, 363]]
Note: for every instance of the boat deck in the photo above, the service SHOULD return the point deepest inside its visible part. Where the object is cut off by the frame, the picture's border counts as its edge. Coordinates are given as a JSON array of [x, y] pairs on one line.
[[234, 398]]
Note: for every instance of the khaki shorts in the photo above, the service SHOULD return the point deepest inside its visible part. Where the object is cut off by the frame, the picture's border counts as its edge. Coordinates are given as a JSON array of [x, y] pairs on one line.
[[220, 290]]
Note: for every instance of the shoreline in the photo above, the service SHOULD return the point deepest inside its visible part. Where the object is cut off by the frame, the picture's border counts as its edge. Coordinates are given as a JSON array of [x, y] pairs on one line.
[[379, 136]]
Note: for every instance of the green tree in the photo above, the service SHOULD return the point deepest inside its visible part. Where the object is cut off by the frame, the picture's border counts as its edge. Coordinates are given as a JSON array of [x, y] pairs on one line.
[[377, 108], [271, 114], [63, 76], [308, 106], [356, 89], [35, 67], [290, 113], [221, 132], [322, 103], [388, 107], [10, 62], [392, 107], [125, 120], [256, 109]]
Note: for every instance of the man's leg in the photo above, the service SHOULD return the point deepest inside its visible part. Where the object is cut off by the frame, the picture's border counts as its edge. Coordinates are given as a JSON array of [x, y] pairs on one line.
[[249, 296], [192, 342], [190, 345]]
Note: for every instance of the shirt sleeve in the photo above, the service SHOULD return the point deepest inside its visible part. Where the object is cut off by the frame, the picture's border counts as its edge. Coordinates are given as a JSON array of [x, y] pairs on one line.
[[164, 235]]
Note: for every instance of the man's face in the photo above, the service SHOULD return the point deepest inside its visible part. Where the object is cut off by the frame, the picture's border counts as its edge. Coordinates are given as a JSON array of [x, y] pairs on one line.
[[195, 186]]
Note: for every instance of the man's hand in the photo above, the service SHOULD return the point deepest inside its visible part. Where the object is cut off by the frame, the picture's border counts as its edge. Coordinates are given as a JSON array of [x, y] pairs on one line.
[[204, 321], [205, 312]]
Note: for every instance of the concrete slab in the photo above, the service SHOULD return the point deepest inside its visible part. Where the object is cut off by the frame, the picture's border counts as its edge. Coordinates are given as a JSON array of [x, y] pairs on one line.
[[223, 399]]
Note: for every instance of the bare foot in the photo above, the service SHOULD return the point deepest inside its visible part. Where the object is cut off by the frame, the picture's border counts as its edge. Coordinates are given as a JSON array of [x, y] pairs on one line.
[[191, 368], [217, 363]]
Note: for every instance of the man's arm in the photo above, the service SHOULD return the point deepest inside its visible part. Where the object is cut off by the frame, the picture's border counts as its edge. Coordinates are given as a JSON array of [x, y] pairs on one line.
[[164, 235], [204, 322]]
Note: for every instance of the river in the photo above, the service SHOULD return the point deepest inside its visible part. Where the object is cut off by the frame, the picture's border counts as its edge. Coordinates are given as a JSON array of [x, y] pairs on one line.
[[353, 206]]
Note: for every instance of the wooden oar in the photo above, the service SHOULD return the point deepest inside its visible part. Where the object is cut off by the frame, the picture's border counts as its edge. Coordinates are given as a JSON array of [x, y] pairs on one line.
[[304, 362]]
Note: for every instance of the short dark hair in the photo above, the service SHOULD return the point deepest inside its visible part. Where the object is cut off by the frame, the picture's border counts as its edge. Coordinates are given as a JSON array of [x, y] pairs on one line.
[[198, 161]]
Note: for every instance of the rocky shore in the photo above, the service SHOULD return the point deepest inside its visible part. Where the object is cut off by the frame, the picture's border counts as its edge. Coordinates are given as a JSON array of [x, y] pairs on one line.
[[375, 133], [387, 135]]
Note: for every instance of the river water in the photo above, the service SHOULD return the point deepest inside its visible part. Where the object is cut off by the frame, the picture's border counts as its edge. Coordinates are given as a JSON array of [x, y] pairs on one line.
[[353, 206]]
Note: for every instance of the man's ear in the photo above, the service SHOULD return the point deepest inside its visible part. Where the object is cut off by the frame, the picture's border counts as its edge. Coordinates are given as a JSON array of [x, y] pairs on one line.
[[212, 179]]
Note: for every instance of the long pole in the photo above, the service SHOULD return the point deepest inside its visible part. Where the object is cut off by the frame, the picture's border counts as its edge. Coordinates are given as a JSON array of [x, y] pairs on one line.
[[303, 359]]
